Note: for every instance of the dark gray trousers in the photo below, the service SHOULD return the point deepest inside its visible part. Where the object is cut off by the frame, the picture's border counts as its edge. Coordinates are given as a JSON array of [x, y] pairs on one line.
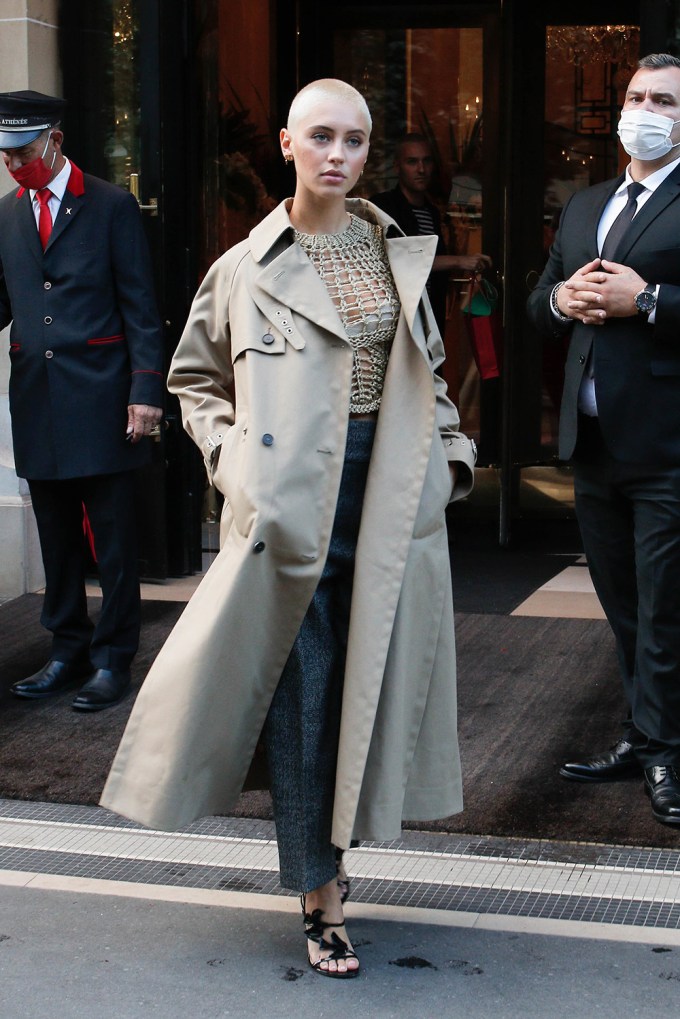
[[303, 724], [111, 508], [629, 518]]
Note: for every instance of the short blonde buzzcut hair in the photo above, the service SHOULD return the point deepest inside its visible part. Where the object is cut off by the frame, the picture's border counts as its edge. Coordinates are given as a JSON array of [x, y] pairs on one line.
[[326, 88]]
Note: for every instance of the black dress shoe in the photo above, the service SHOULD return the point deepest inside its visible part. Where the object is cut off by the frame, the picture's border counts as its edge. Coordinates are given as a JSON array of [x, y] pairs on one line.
[[104, 688], [662, 785], [617, 762], [52, 678]]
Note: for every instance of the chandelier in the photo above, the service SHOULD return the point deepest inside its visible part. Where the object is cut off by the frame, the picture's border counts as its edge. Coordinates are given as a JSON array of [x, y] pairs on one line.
[[584, 44]]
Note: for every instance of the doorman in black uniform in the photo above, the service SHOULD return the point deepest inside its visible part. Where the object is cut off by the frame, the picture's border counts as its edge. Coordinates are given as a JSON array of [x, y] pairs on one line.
[[86, 389]]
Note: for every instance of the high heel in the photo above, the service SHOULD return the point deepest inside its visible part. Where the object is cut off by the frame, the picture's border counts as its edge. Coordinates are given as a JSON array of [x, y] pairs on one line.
[[315, 930]]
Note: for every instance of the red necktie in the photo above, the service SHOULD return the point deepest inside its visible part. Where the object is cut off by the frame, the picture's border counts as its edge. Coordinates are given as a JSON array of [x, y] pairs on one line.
[[45, 221]]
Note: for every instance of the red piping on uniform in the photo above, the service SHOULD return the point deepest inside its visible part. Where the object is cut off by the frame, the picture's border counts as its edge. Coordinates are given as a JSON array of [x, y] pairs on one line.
[[106, 339]]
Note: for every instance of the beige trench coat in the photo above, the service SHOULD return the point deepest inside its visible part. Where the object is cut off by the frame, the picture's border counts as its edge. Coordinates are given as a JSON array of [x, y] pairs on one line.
[[263, 326]]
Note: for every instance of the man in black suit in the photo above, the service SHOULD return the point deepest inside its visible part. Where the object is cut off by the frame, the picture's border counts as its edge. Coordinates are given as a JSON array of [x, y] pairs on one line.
[[613, 282], [409, 206], [86, 388]]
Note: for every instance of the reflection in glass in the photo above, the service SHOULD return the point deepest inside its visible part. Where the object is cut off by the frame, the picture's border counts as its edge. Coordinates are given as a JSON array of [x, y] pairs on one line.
[[429, 81], [587, 72], [122, 149], [237, 136]]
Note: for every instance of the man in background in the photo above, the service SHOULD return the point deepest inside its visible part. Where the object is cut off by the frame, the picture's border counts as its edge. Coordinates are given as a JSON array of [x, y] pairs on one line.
[[409, 205], [86, 388]]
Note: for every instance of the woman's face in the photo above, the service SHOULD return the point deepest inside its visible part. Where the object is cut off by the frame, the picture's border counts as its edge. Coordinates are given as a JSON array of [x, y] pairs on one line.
[[329, 143]]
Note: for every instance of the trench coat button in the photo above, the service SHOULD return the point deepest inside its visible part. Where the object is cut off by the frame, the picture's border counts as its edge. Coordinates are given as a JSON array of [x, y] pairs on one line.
[[259, 546], [48, 354], [267, 439], [48, 320], [47, 285], [267, 338], [581, 359]]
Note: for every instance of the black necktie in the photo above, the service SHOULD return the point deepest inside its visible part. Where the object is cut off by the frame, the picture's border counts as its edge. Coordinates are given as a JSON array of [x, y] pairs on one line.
[[621, 223]]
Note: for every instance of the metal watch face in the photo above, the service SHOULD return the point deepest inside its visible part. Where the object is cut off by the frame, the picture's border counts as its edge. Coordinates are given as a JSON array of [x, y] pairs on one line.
[[645, 301]]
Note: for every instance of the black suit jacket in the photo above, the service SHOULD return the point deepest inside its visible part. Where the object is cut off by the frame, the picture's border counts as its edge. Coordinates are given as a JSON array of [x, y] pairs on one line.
[[86, 338], [395, 204], [637, 365]]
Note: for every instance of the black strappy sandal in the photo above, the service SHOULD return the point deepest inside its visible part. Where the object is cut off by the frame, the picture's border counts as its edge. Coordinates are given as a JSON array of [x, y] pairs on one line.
[[315, 930], [343, 880]]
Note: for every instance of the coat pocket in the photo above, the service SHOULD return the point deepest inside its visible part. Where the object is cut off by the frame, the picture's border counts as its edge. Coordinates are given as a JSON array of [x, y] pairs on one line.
[[436, 494], [230, 477]]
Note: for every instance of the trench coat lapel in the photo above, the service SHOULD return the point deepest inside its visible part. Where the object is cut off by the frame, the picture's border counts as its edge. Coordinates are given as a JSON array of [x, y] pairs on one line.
[[287, 277], [291, 280], [411, 260]]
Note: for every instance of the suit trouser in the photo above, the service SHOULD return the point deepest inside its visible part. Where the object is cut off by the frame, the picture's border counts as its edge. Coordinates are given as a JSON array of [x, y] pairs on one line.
[[302, 729], [110, 503], [629, 518]]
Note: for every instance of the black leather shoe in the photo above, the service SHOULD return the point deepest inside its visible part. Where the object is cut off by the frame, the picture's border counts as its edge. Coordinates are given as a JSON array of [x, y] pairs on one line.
[[104, 688], [662, 785], [52, 678], [617, 762]]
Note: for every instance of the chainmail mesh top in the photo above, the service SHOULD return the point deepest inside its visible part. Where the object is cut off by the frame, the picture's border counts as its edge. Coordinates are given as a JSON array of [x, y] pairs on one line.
[[354, 267]]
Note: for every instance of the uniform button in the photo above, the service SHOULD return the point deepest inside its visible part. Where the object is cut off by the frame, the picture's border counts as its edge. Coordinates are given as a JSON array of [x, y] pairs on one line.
[[47, 285], [267, 439], [48, 354], [48, 320], [259, 546], [267, 338], [582, 359]]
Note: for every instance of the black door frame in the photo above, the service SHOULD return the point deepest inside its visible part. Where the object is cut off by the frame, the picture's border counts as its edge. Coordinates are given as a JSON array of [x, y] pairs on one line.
[[171, 490]]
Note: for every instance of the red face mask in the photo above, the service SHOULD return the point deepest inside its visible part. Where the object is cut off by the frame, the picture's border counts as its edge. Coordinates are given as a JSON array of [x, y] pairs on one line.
[[34, 175]]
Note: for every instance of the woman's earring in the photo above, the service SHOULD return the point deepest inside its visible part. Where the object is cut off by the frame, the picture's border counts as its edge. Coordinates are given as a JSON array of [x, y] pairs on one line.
[[288, 159]]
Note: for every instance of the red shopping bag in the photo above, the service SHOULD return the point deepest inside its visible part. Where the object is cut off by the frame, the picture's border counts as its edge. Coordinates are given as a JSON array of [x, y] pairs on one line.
[[484, 328]]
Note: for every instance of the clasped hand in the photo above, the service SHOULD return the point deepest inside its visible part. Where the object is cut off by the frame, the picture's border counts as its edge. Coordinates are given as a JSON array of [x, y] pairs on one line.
[[598, 291]]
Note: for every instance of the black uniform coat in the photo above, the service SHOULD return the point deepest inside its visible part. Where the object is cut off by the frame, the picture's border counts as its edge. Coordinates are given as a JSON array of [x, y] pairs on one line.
[[86, 339], [637, 364]]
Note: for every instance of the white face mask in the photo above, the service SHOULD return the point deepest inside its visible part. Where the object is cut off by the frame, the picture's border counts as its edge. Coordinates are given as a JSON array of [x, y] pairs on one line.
[[646, 135]]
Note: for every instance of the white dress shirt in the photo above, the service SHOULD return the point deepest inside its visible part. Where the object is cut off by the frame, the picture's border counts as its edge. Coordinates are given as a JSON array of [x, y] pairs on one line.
[[57, 187], [587, 403]]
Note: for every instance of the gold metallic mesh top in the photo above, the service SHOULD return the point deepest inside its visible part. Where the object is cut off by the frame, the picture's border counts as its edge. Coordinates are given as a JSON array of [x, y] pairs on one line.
[[354, 267]]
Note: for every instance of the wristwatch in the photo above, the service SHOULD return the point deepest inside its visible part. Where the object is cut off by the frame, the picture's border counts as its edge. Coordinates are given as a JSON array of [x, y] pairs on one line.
[[645, 300]]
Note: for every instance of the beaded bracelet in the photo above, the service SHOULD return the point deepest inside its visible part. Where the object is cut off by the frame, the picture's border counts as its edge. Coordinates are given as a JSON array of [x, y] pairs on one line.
[[554, 305]]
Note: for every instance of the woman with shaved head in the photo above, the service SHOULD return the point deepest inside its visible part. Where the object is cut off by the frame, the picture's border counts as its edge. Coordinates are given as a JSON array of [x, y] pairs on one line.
[[324, 629]]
